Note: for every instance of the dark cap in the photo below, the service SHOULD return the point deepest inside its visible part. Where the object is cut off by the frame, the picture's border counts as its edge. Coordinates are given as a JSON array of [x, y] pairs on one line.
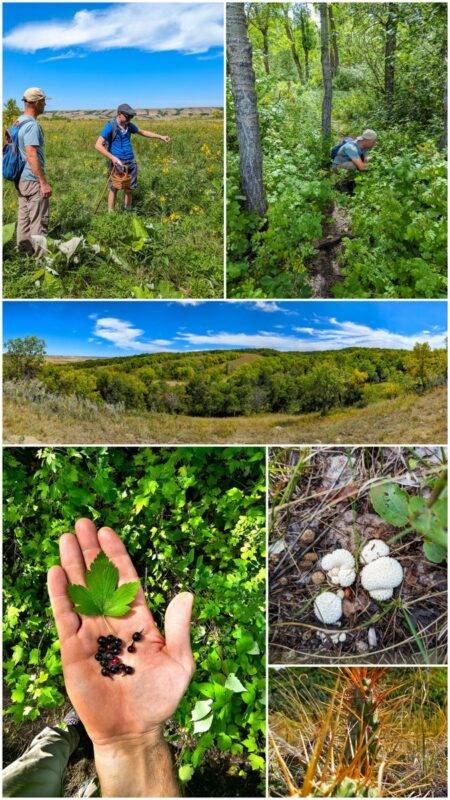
[[124, 108]]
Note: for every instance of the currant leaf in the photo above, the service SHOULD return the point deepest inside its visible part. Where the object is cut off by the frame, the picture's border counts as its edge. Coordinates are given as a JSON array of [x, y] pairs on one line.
[[102, 596]]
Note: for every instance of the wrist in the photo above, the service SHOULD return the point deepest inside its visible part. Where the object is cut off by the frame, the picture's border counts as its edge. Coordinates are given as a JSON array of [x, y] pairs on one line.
[[129, 741]]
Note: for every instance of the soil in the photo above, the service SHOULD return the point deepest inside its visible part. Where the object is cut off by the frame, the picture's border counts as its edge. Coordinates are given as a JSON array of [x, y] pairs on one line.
[[324, 270], [330, 508]]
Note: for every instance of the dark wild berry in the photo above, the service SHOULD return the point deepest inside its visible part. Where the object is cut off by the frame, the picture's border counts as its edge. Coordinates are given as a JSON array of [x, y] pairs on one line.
[[129, 670], [101, 640], [131, 648], [137, 636], [105, 672]]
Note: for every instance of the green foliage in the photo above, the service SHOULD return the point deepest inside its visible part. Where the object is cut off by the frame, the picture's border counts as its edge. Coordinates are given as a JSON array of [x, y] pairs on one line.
[[235, 383], [11, 112], [101, 596], [429, 519], [171, 246], [398, 218], [192, 519], [24, 357]]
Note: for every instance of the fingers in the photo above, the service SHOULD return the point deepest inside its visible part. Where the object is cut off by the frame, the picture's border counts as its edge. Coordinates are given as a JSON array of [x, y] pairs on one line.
[[86, 533], [67, 622], [72, 560], [116, 551], [177, 630]]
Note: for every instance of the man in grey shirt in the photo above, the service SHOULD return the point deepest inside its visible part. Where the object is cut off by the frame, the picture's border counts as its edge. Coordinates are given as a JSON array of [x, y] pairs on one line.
[[33, 189]]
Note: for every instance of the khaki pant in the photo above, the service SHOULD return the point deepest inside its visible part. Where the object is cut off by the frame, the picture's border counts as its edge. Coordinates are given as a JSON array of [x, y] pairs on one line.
[[39, 772], [33, 216]]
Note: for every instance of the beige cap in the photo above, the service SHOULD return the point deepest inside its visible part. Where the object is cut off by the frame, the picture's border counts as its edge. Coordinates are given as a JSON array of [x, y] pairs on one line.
[[34, 94], [369, 134]]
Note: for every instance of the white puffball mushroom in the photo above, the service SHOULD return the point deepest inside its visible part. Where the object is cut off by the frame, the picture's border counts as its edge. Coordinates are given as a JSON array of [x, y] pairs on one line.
[[381, 576], [374, 549], [328, 607], [340, 567], [336, 638]]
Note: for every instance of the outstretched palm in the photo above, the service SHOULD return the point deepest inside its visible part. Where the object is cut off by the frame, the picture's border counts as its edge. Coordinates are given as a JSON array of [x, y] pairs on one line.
[[122, 705]]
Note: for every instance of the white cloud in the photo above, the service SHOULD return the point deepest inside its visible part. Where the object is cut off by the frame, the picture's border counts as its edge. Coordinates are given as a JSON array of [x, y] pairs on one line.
[[123, 334], [189, 302], [154, 27], [336, 337], [63, 56], [270, 306]]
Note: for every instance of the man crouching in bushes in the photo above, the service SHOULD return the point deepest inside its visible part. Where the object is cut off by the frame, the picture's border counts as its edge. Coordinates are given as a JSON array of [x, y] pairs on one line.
[[114, 143]]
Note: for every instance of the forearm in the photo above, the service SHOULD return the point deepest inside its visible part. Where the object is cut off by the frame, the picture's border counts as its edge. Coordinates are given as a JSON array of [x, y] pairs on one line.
[[139, 766], [151, 135], [104, 152]]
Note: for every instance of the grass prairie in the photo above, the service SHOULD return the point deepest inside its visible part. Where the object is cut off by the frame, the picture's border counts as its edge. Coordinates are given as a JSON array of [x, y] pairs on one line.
[[411, 418], [171, 246]]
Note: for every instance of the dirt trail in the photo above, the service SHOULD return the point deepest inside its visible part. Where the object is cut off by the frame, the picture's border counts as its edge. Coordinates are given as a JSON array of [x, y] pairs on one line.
[[323, 267]]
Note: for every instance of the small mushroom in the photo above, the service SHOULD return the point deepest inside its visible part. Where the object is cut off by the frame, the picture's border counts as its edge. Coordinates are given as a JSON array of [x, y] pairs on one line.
[[374, 549], [336, 638], [328, 608], [381, 576], [317, 578], [340, 567], [307, 536]]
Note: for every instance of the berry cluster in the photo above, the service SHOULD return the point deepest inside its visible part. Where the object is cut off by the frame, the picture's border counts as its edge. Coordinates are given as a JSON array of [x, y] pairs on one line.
[[109, 652]]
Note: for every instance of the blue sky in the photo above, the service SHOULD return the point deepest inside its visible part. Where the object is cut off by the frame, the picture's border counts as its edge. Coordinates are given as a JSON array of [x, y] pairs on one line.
[[108, 328], [97, 55]]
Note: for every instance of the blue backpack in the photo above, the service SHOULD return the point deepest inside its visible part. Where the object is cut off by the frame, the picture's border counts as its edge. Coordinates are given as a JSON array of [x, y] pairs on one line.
[[13, 163], [114, 132], [337, 147]]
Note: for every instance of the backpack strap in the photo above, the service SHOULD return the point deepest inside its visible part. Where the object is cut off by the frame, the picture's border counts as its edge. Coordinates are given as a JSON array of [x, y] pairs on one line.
[[114, 131]]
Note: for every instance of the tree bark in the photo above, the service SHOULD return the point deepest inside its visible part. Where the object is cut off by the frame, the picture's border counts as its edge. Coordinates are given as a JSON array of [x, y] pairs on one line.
[[290, 36], [326, 73], [443, 140], [244, 96], [334, 53], [305, 43], [265, 35], [390, 46]]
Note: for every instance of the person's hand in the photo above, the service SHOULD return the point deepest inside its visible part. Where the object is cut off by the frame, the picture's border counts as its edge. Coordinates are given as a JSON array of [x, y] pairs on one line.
[[165, 139], [121, 707], [117, 163], [46, 189]]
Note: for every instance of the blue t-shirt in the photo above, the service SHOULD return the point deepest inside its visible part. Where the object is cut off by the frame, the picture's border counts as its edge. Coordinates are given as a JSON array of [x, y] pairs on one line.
[[348, 151], [30, 133], [121, 144]]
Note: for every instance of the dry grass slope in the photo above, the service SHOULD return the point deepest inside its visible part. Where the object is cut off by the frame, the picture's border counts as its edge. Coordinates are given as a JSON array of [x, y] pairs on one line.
[[418, 419]]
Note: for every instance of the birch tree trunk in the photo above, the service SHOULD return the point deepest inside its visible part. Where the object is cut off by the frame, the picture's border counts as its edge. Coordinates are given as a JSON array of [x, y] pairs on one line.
[[242, 76], [334, 52], [390, 46]]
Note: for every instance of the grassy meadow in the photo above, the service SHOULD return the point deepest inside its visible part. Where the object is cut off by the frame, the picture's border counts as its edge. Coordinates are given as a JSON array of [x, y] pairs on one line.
[[171, 246], [37, 417]]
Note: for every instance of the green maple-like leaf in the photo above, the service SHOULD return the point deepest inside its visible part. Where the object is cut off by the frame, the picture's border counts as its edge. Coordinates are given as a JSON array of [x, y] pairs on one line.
[[102, 596]]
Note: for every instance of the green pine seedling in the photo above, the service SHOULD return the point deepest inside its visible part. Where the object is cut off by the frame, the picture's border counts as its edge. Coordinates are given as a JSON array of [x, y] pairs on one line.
[[102, 596]]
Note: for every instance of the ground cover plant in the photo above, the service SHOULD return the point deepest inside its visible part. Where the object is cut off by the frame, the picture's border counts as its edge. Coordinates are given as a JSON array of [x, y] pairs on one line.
[[358, 732], [291, 229], [329, 501], [170, 246], [191, 519]]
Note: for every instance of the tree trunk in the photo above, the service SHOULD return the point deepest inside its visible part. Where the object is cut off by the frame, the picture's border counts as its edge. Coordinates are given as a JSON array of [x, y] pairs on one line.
[[326, 74], [265, 35], [390, 46], [244, 96], [443, 140], [290, 36], [304, 44], [334, 53]]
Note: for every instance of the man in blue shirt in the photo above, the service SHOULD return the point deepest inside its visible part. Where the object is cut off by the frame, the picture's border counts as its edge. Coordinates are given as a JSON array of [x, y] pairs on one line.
[[33, 188], [352, 154], [114, 143]]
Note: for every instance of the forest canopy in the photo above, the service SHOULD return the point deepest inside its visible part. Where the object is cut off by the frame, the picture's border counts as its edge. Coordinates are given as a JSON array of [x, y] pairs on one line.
[[233, 383], [320, 73]]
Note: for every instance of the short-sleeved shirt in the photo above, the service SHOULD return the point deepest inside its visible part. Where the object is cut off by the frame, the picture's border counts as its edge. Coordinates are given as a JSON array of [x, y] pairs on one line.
[[121, 144], [348, 151], [30, 133]]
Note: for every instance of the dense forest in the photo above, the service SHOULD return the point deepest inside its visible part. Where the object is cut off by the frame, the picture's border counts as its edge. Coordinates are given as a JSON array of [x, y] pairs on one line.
[[232, 383], [302, 77]]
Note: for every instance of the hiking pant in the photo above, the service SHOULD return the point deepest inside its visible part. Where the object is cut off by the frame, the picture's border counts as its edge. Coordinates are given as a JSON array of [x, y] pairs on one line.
[[32, 218], [39, 771]]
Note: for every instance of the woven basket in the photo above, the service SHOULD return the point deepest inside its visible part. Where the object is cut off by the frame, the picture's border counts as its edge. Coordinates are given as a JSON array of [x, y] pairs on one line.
[[120, 180]]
